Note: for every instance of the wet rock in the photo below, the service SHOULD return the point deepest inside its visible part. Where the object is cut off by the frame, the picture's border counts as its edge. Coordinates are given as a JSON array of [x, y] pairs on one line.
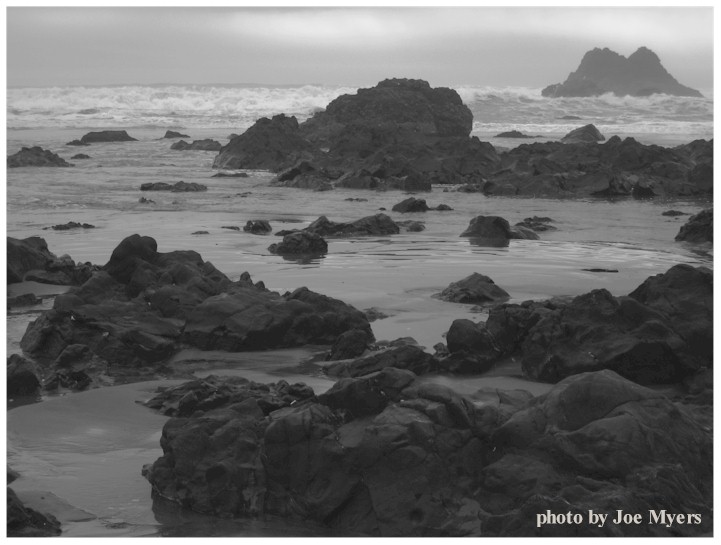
[[377, 225], [144, 305], [408, 357], [143, 200], [107, 136], [583, 135], [22, 377], [76, 143], [258, 227], [80, 156], [495, 231], [537, 223], [674, 213], [70, 225], [200, 233], [411, 226], [230, 175], [270, 144], [30, 259], [174, 134], [300, 243], [177, 187], [350, 344], [698, 228], [202, 145], [23, 521], [411, 204], [36, 157], [474, 289]]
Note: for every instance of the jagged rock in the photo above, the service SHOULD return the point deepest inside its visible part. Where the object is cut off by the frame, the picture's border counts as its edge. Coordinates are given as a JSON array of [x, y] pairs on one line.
[[70, 225], [36, 157], [30, 259], [474, 289], [377, 225], [698, 228], [107, 136], [175, 188], [604, 71], [203, 145]]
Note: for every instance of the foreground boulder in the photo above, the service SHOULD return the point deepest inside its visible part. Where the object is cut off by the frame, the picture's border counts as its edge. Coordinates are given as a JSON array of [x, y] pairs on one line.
[[698, 228], [604, 71], [36, 157], [392, 455], [660, 333], [30, 259], [144, 305]]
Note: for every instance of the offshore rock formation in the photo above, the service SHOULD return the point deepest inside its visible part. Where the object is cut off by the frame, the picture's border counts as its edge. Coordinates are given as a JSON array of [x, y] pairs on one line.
[[604, 71], [143, 305], [36, 157], [399, 130], [203, 145], [107, 136], [388, 454]]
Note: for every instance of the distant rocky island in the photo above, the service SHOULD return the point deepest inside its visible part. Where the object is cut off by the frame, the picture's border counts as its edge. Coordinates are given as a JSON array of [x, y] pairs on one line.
[[604, 71]]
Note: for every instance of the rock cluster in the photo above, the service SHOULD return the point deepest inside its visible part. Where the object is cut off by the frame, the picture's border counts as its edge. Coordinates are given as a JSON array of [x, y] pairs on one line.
[[30, 259]]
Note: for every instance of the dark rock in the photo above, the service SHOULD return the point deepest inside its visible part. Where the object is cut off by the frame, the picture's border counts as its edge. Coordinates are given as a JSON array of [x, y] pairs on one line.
[[474, 289], [489, 231], [107, 136], [258, 227], [230, 175], [601, 270], [350, 344], [24, 300], [80, 156], [583, 135], [22, 377], [143, 200], [200, 233], [300, 243], [674, 213], [175, 188], [698, 228], [604, 71], [173, 134], [411, 204], [411, 226], [23, 521], [378, 225], [270, 144], [514, 134], [70, 225], [201, 145], [231, 227], [442, 208], [30, 259], [408, 357], [36, 157], [537, 223], [77, 143]]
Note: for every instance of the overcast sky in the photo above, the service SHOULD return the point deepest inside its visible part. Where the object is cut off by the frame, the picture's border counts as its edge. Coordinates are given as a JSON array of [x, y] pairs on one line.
[[523, 46]]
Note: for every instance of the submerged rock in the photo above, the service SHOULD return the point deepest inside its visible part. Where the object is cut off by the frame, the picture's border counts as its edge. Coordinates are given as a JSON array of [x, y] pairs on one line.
[[175, 188], [36, 157], [202, 145], [70, 225], [698, 228]]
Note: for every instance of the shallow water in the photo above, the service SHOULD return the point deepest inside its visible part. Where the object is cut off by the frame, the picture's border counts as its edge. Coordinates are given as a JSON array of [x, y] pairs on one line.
[[65, 445]]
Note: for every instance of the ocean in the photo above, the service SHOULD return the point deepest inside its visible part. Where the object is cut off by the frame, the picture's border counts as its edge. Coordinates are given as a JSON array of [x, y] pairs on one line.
[[62, 446]]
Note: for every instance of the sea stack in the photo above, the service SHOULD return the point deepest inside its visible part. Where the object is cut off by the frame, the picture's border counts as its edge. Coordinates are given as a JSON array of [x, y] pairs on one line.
[[604, 71]]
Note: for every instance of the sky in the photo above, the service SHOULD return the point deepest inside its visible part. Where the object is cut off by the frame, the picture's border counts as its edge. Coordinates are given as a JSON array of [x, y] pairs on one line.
[[355, 46]]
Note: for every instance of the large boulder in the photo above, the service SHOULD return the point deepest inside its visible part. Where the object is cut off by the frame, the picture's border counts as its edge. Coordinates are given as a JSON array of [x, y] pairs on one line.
[[660, 333], [36, 157], [144, 305], [698, 228], [390, 454], [270, 144], [604, 71]]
